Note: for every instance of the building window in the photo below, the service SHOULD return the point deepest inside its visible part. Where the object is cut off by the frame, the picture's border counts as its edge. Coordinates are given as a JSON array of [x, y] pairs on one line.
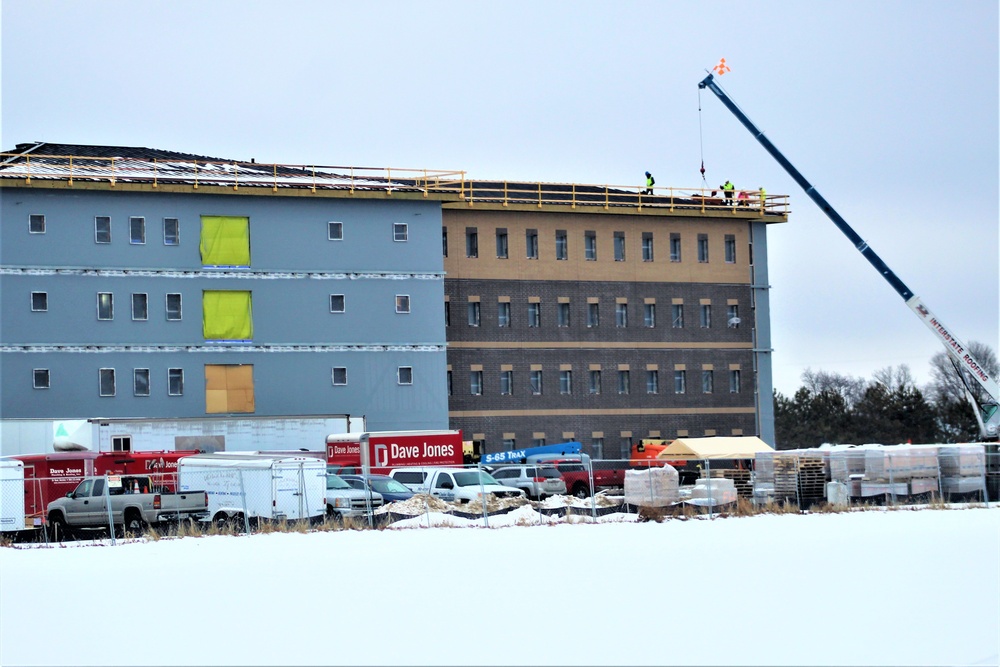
[[107, 381], [502, 250], [506, 383], [597, 448], [680, 382], [538, 442], [404, 375], [734, 381], [565, 382], [402, 303], [562, 244], [449, 384], [338, 303], [730, 249], [706, 316], [649, 315], [590, 246], [36, 224], [707, 381], [675, 247], [534, 315], [531, 243], [623, 382], [39, 302], [140, 381], [225, 241], [677, 316], [335, 231], [652, 382], [508, 443], [476, 383], [339, 376], [647, 246], [40, 378], [471, 242], [473, 313], [621, 315], [503, 313], [171, 231], [105, 306], [619, 246], [595, 382], [400, 231], [536, 382], [102, 229], [140, 306], [137, 230], [444, 241], [447, 313], [702, 248], [562, 314], [173, 306], [593, 315], [175, 381], [733, 316]]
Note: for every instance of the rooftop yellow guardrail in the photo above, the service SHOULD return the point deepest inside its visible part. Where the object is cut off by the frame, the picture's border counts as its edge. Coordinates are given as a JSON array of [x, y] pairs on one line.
[[445, 184]]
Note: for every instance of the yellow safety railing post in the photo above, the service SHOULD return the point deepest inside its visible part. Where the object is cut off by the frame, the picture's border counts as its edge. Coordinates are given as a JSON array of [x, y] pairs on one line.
[[195, 174], [539, 195], [505, 200], [156, 171], [112, 172], [274, 184], [573, 198], [703, 198], [607, 198], [426, 183], [671, 199], [236, 176], [388, 179], [352, 180], [71, 172]]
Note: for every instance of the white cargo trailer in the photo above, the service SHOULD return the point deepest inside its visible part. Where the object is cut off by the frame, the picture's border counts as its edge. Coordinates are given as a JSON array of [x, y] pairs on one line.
[[257, 486], [11, 495]]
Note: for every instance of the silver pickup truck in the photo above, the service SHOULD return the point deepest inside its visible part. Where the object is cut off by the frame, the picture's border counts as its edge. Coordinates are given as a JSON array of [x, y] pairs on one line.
[[133, 505]]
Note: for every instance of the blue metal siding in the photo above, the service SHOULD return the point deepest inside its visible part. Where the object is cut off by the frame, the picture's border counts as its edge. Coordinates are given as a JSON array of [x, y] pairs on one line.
[[288, 237]]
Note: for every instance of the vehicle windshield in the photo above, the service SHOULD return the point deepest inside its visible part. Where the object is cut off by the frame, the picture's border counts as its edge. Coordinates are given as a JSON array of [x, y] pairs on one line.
[[334, 482], [472, 477], [389, 486], [551, 473]]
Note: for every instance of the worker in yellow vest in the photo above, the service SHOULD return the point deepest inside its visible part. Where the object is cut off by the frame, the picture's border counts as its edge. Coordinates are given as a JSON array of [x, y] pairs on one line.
[[650, 181], [763, 197], [728, 188]]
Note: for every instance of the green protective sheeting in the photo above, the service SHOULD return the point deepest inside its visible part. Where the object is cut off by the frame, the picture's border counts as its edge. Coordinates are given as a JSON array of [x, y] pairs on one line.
[[225, 241], [227, 315]]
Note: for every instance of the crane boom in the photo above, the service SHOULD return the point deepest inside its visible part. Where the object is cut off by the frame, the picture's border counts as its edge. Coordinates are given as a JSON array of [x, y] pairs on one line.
[[988, 414]]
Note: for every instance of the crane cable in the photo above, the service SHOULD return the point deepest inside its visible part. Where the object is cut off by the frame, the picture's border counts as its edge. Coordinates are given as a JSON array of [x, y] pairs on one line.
[[701, 143]]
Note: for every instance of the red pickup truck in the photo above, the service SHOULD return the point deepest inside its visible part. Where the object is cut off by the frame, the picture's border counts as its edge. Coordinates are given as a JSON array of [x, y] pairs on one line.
[[607, 475]]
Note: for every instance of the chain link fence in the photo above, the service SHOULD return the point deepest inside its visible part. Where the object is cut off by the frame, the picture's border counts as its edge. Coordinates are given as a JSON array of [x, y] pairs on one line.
[[251, 496]]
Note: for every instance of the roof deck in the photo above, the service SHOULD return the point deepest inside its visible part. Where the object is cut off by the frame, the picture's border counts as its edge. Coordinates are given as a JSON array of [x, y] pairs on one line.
[[108, 167]]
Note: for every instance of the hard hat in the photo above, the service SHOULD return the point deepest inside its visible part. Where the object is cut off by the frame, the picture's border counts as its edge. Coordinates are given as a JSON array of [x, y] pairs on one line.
[[647, 173]]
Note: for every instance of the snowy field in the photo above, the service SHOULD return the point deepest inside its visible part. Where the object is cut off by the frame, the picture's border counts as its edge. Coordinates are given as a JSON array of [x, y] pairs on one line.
[[866, 588]]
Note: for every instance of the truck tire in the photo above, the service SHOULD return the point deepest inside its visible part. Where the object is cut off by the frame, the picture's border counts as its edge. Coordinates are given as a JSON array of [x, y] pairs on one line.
[[580, 490], [134, 523]]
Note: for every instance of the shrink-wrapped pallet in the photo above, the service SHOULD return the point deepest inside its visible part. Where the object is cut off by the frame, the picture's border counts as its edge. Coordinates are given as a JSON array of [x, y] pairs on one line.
[[962, 460], [655, 487], [965, 484], [923, 485], [713, 491]]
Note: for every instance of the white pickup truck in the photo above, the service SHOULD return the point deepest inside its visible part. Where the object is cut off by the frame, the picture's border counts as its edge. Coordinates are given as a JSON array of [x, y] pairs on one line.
[[454, 484]]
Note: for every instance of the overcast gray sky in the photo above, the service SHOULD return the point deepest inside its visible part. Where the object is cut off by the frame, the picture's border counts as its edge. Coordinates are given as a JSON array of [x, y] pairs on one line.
[[890, 109]]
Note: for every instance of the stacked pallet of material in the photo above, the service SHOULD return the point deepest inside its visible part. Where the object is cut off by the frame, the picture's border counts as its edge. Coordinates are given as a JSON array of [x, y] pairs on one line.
[[811, 477], [741, 479], [963, 468], [786, 476], [763, 478], [655, 487], [713, 491]]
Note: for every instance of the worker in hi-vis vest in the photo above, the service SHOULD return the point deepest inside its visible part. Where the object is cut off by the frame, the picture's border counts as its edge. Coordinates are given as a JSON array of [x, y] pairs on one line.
[[650, 181], [728, 188], [763, 197]]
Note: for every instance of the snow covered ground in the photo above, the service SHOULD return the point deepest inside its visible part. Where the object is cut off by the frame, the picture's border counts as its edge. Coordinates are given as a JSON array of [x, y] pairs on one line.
[[866, 588]]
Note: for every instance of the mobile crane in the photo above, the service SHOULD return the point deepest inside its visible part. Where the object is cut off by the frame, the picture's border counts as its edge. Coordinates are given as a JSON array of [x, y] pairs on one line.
[[986, 409]]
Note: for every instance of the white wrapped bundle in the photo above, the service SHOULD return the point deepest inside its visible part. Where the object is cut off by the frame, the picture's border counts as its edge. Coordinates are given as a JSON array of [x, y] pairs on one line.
[[655, 487], [962, 460], [713, 491]]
